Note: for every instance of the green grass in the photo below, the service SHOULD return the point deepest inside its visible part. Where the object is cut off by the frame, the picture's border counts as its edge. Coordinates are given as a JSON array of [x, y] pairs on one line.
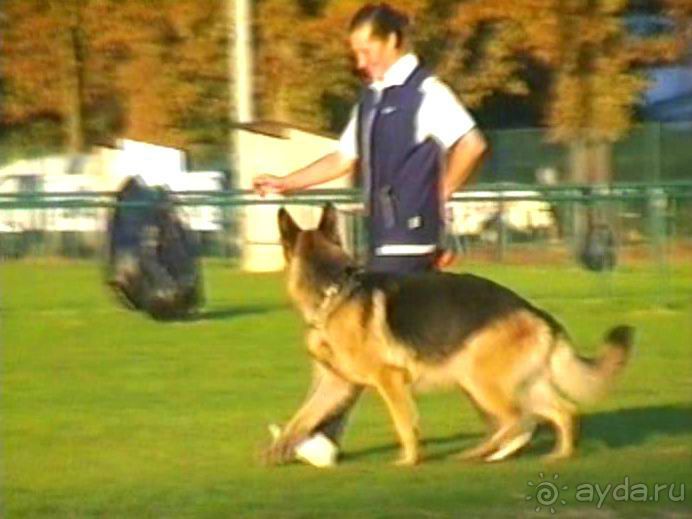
[[106, 413]]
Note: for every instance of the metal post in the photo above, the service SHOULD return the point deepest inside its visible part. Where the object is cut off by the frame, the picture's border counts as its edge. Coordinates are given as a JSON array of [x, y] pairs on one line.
[[501, 230], [658, 202], [239, 53], [243, 61], [240, 73]]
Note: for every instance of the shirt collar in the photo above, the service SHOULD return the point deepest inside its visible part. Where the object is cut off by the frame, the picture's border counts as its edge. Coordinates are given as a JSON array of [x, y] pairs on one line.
[[398, 73]]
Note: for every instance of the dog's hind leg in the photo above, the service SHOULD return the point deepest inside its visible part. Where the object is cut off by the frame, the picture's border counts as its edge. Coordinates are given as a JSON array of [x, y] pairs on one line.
[[522, 436], [491, 399], [509, 437], [394, 390], [545, 402]]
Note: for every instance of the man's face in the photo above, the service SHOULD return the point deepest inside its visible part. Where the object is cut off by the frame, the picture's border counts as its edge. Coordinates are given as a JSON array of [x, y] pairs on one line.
[[373, 56]]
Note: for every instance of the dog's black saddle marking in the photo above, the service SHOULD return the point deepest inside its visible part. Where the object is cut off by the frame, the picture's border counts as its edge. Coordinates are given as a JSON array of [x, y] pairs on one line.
[[434, 313]]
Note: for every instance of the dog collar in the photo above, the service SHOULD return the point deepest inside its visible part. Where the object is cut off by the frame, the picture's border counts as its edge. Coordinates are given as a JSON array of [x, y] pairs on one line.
[[333, 296]]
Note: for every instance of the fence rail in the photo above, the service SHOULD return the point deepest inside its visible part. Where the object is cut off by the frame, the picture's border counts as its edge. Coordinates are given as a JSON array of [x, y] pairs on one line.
[[237, 197], [494, 221]]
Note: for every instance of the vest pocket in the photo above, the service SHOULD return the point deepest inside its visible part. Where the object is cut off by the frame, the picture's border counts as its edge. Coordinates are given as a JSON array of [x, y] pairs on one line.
[[388, 205]]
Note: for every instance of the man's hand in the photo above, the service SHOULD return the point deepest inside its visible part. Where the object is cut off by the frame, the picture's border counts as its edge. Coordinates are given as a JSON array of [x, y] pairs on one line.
[[269, 184], [329, 167]]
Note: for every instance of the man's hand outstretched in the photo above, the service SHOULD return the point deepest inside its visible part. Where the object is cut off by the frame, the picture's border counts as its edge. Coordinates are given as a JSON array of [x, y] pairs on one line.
[[269, 184]]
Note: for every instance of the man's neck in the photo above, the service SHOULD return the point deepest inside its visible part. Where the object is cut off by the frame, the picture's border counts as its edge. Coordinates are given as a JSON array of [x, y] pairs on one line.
[[397, 72]]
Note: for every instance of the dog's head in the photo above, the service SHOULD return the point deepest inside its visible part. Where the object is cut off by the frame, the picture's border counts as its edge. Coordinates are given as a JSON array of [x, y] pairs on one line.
[[326, 232], [315, 258]]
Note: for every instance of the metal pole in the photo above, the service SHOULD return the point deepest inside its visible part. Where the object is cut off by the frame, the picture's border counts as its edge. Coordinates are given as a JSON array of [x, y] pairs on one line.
[[243, 60], [239, 54]]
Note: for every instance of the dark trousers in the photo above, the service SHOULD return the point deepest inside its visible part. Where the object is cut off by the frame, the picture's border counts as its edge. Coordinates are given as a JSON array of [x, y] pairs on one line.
[[333, 426], [401, 264]]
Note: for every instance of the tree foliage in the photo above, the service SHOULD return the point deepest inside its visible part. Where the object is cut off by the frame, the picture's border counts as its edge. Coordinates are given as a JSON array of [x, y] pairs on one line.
[[158, 70], [152, 70]]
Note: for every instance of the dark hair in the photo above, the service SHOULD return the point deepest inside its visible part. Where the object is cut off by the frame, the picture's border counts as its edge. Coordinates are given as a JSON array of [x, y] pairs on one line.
[[383, 20]]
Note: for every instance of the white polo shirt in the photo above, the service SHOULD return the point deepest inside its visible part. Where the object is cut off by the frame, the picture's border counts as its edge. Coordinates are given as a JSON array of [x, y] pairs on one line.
[[440, 116]]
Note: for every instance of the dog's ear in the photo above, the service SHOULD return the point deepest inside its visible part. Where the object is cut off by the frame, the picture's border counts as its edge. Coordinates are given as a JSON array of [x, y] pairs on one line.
[[289, 230], [328, 223]]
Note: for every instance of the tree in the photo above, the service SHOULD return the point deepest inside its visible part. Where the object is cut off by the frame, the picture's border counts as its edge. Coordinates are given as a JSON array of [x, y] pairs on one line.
[[173, 78], [282, 65], [480, 47], [305, 72], [42, 64], [592, 58], [153, 71]]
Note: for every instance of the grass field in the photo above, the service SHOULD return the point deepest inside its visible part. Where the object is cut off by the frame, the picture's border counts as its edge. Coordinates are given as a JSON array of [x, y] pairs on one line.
[[106, 413]]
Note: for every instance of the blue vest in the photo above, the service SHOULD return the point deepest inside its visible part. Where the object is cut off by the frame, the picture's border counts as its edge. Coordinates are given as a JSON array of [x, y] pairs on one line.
[[401, 177]]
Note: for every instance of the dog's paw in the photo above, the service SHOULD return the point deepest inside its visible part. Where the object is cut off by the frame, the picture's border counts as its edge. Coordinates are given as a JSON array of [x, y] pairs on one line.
[[466, 458], [407, 459], [282, 449], [279, 453], [470, 455]]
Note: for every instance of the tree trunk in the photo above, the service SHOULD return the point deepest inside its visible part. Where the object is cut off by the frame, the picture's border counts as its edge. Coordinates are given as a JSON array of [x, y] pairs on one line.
[[74, 91], [578, 162], [602, 159], [590, 162]]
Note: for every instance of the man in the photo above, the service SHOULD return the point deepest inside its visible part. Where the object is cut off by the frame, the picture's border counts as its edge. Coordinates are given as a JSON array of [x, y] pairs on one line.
[[412, 142], [398, 136]]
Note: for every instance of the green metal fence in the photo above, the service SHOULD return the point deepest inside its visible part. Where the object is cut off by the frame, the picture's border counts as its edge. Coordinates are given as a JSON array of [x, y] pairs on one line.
[[651, 152], [650, 222]]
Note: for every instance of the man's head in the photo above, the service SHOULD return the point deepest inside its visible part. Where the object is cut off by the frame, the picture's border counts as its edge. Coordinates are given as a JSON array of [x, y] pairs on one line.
[[378, 37]]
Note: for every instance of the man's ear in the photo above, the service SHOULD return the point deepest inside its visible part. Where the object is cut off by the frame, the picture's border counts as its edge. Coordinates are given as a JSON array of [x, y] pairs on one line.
[[288, 229], [328, 224]]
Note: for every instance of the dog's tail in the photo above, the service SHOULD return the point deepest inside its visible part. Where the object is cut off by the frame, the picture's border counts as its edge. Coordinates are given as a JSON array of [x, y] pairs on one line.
[[584, 380]]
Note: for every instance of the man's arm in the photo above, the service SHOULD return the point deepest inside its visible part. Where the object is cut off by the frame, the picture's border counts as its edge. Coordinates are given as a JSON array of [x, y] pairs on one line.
[[327, 168], [462, 159]]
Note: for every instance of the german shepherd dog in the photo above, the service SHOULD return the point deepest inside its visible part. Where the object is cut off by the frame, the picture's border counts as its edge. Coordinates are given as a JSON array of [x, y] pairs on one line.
[[400, 333]]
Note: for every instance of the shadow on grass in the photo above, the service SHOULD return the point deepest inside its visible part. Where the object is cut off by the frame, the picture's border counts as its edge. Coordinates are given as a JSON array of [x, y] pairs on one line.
[[231, 313], [433, 448], [621, 428], [626, 427]]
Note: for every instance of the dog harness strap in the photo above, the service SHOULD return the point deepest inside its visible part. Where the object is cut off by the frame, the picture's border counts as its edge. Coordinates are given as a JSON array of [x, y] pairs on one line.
[[334, 295]]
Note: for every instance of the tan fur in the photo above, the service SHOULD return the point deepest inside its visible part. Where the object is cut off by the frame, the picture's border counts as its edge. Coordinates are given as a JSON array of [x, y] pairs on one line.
[[516, 370], [582, 381]]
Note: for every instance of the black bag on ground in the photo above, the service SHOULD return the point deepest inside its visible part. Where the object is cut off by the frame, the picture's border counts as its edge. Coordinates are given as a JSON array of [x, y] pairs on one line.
[[152, 258]]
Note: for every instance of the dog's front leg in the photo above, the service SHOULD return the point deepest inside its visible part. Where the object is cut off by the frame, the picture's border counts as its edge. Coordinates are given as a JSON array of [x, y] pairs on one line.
[[393, 388], [328, 395]]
